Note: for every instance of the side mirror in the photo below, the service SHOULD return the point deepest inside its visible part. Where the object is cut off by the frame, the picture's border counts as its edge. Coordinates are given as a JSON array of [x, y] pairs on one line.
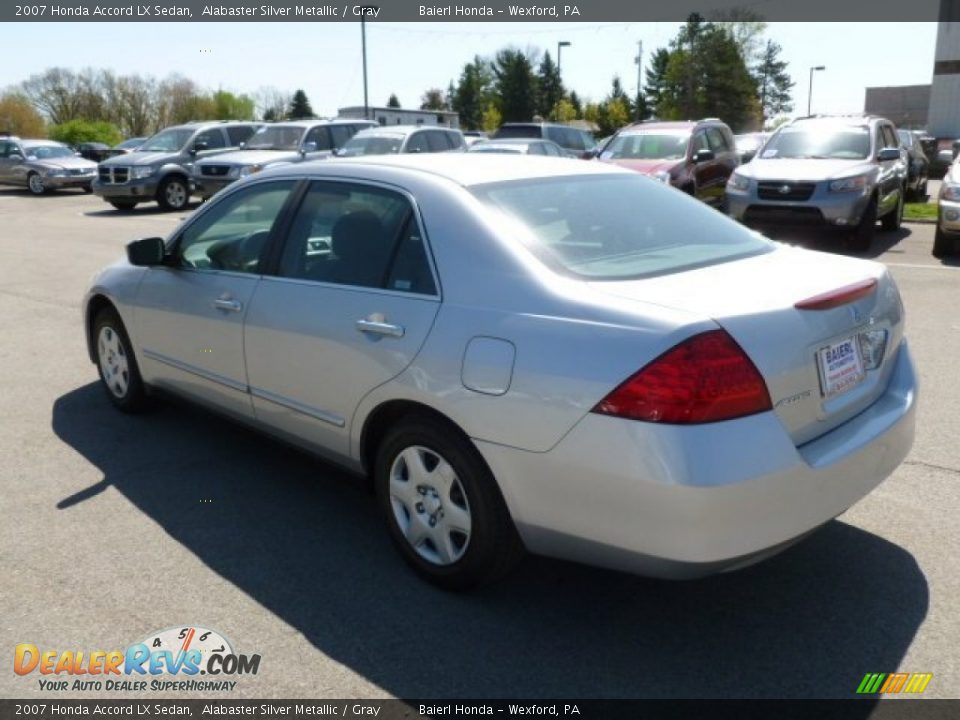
[[308, 147], [198, 147], [146, 252], [589, 154], [888, 154], [703, 156]]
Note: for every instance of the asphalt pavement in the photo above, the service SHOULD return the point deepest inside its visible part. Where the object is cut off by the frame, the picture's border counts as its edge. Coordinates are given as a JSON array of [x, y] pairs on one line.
[[112, 527]]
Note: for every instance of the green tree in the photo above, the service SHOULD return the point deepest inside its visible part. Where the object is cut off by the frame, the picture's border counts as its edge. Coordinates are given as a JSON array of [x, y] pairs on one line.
[[300, 107], [577, 105], [563, 111], [77, 131], [228, 106], [549, 84], [706, 76], [433, 99], [656, 77], [773, 83], [516, 85], [393, 102], [473, 93], [18, 117], [492, 119]]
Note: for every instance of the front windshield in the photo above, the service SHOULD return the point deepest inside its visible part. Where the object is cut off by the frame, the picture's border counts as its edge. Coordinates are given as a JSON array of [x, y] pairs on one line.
[[819, 142], [275, 137], [615, 227], [647, 146], [167, 141], [372, 145], [45, 152]]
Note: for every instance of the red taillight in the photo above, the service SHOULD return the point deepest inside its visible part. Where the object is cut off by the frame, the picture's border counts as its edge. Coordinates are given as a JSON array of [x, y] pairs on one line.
[[704, 379], [838, 297]]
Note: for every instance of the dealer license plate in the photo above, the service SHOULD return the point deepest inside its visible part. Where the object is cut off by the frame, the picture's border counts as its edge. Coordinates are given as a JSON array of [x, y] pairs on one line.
[[841, 366]]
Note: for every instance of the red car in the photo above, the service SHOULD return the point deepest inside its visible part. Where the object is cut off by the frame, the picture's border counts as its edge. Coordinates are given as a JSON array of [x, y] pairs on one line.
[[696, 156]]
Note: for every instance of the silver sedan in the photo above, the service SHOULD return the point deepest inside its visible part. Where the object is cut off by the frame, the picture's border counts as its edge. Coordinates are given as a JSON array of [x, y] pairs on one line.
[[525, 353]]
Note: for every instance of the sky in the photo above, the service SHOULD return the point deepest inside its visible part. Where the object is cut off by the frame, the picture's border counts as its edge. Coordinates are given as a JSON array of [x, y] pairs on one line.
[[407, 58]]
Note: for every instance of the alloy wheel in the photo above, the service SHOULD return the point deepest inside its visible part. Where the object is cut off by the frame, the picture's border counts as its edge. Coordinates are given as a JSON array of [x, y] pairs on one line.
[[114, 364]]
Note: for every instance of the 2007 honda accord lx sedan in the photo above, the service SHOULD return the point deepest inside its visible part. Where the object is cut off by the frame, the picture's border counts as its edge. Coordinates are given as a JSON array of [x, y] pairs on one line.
[[525, 353]]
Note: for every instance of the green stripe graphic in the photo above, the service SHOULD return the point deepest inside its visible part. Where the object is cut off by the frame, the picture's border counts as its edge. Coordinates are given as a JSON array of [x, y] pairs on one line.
[[871, 683]]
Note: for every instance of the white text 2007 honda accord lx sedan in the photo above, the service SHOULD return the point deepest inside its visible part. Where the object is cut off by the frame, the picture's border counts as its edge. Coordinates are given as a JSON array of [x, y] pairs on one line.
[[525, 353]]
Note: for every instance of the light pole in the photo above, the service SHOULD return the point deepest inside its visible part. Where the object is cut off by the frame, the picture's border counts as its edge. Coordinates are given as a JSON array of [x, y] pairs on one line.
[[639, 61], [363, 41], [810, 90], [561, 44]]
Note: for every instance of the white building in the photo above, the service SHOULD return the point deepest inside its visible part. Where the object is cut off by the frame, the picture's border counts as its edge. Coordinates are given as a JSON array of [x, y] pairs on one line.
[[943, 119], [402, 116]]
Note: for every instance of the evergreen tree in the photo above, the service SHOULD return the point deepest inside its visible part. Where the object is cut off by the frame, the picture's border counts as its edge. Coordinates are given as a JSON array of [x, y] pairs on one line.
[[433, 99], [576, 103], [550, 85], [300, 107], [656, 77], [773, 83], [393, 102], [516, 86], [473, 93]]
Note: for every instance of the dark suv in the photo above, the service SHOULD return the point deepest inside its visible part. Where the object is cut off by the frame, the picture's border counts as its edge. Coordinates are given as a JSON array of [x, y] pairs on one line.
[[160, 168], [697, 157], [579, 143]]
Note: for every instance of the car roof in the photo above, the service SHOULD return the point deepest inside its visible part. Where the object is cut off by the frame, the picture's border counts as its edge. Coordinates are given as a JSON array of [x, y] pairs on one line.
[[401, 129], [319, 121], [465, 169]]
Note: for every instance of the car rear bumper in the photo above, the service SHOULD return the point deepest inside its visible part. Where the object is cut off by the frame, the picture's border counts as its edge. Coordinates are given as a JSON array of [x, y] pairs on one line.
[[678, 502]]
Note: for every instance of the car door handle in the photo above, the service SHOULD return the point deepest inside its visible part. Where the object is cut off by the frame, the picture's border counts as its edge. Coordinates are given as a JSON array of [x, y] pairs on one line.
[[227, 304], [376, 327]]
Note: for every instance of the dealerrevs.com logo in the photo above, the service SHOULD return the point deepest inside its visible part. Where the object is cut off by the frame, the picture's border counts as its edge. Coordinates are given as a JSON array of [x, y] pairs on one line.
[[167, 660]]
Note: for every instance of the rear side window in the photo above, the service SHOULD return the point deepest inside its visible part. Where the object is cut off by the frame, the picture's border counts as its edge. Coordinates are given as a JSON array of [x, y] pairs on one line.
[[418, 143], [437, 141], [615, 227], [357, 235], [240, 134], [456, 139], [574, 140], [557, 135], [341, 133], [319, 135]]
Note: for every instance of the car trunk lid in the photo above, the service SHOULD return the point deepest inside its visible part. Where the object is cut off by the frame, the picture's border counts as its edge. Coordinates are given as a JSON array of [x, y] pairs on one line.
[[817, 359]]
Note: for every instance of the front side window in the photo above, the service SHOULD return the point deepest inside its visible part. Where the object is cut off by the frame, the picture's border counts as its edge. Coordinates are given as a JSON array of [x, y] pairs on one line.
[[213, 139], [233, 233], [615, 227], [437, 142], [357, 235], [716, 141], [361, 144], [276, 137], [341, 134]]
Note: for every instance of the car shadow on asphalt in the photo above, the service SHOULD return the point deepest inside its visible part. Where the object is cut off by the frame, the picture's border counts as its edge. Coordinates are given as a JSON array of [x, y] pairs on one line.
[[832, 241], [149, 208], [305, 541]]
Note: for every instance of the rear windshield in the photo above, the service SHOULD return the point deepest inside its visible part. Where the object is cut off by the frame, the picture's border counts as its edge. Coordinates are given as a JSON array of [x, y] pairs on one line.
[[616, 227], [518, 131]]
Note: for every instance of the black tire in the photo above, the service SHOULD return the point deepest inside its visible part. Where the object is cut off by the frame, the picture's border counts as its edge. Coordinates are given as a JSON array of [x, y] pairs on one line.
[[173, 193], [892, 220], [492, 547], [862, 237], [123, 205], [87, 188], [119, 376], [943, 244], [35, 184]]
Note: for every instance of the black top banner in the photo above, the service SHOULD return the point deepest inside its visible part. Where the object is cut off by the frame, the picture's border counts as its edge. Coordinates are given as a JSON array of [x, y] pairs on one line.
[[862, 11]]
